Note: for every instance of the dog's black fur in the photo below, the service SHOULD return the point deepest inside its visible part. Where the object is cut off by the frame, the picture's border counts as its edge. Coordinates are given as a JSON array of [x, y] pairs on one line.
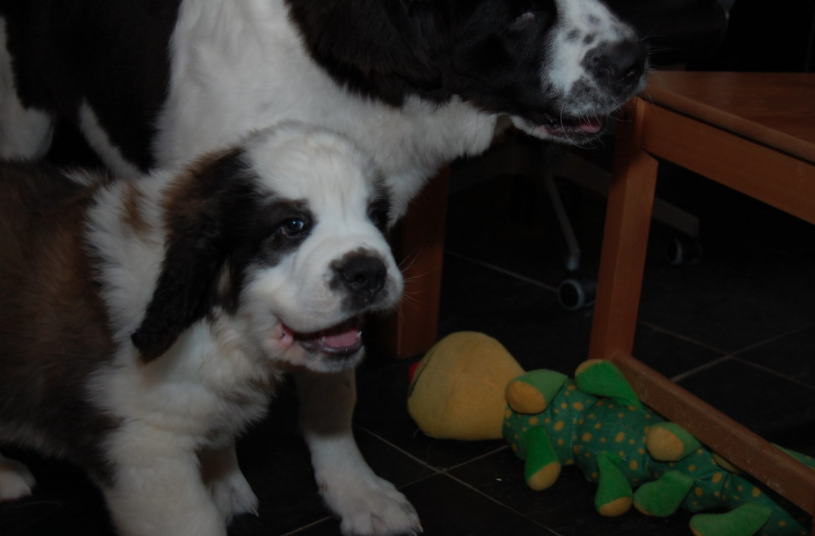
[[114, 55]]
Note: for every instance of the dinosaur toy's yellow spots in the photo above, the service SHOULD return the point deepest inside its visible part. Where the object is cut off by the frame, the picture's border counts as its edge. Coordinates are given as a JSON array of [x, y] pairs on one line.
[[621, 415], [632, 441], [560, 441], [691, 468], [559, 426], [620, 437], [756, 492], [717, 477], [598, 426], [603, 440], [633, 465], [572, 387], [699, 492], [586, 437], [782, 523], [533, 421], [578, 406]]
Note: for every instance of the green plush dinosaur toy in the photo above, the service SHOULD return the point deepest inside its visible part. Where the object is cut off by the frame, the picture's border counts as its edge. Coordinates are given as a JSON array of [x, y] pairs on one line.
[[597, 422]]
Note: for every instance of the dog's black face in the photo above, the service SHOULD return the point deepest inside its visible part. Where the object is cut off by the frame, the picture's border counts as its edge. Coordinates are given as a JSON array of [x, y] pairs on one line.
[[556, 67]]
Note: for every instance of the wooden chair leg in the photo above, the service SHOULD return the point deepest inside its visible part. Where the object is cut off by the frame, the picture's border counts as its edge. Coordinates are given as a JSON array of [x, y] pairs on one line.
[[418, 244], [625, 239]]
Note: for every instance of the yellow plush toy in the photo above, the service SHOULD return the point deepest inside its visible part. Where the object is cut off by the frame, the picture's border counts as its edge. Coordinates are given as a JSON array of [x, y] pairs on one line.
[[461, 392]]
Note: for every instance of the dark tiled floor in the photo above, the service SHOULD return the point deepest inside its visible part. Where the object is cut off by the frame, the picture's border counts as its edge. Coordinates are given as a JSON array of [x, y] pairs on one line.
[[737, 328]]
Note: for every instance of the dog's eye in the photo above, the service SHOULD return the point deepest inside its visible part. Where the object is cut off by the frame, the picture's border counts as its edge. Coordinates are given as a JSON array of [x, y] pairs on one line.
[[293, 227]]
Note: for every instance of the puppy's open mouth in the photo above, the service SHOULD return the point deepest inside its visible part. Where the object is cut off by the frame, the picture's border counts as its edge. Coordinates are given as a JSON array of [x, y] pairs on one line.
[[342, 339]]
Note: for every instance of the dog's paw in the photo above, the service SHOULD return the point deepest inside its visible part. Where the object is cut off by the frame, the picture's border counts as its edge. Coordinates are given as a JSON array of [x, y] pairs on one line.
[[233, 496], [371, 506], [15, 480]]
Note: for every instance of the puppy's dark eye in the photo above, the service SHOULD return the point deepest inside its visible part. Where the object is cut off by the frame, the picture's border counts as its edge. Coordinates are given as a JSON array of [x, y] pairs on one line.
[[293, 227]]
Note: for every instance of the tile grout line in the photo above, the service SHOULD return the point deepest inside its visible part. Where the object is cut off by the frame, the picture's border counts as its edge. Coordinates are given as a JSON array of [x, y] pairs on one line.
[[435, 470], [683, 337], [774, 373], [701, 368], [446, 472], [496, 501], [735, 356], [500, 270]]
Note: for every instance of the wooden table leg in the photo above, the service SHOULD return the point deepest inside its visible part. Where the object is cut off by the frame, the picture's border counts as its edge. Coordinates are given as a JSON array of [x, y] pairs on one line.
[[625, 240], [418, 244]]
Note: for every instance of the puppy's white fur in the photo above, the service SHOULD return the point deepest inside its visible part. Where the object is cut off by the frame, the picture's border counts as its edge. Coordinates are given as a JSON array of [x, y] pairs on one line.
[[171, 452]]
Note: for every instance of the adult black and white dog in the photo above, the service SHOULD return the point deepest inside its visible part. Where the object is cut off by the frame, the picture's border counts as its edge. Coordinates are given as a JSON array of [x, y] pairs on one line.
[[415, 83], [144, 324]]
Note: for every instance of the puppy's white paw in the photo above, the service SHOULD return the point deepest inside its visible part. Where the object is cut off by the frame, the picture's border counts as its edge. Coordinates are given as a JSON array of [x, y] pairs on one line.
[[371, 506], [233, 495], [15, 480]]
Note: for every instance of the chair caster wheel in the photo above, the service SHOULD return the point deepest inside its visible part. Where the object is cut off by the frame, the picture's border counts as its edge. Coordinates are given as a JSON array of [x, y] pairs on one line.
[[577, 293], [679, 251]]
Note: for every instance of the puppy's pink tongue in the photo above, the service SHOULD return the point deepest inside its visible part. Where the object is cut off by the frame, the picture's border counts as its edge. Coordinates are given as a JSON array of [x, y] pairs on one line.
[[345, 339]]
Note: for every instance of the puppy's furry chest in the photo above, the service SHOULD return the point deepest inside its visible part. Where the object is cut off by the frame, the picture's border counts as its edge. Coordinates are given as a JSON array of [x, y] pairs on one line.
[[197, 389]]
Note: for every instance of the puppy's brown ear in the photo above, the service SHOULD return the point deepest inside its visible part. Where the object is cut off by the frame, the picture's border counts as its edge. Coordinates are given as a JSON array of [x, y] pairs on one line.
[[199, 215]]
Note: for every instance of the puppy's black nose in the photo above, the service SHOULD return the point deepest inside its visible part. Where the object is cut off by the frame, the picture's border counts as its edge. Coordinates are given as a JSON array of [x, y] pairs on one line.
[[364, 275], [623, 62]]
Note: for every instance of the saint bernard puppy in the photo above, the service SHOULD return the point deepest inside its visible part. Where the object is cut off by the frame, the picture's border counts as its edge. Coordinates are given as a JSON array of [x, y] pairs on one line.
[[144, 323]]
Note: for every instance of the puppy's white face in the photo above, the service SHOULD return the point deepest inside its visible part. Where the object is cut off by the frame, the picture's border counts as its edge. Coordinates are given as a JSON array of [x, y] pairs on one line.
[[327, 262], [280, 244]]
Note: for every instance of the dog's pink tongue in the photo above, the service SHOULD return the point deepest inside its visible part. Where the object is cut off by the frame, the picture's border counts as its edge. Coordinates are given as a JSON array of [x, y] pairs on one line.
[[344, 339], [591, 125]]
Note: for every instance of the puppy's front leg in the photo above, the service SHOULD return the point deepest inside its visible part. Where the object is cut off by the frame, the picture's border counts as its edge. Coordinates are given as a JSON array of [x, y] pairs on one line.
[[230, 490], [365, 503], [156, 487]]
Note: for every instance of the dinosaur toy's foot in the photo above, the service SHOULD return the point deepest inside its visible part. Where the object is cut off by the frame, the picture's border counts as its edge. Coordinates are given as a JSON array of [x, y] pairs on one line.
[[542, 467], [663, 497], [745, 520], [532, 392], [602, 378], [669, 442], [613, 497]]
